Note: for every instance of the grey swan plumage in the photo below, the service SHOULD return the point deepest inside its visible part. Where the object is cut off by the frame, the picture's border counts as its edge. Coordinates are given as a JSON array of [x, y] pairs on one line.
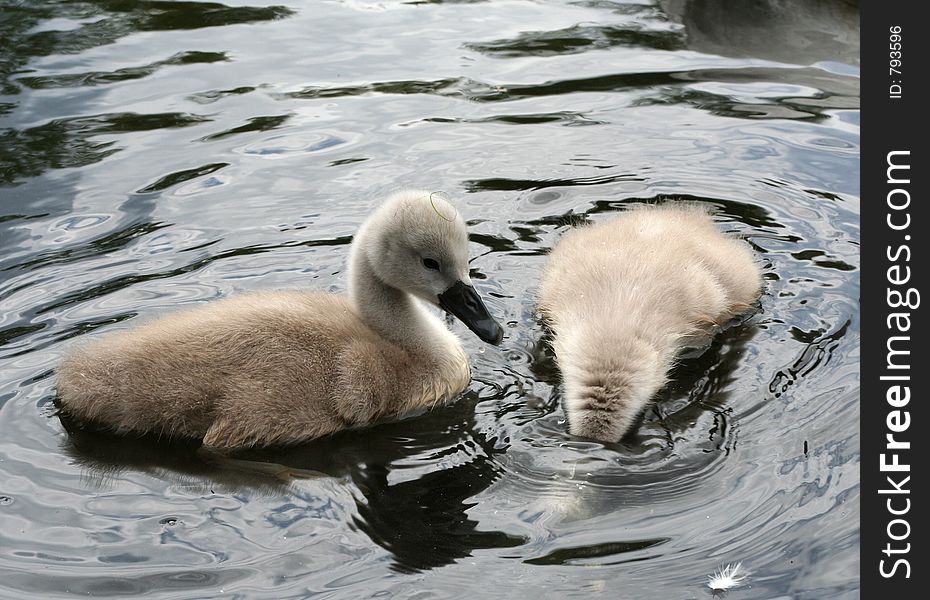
[[285, 366], [624, 297]]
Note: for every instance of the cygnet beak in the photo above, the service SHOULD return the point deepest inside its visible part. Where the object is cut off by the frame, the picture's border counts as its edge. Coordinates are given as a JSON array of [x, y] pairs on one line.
[[463, 301]]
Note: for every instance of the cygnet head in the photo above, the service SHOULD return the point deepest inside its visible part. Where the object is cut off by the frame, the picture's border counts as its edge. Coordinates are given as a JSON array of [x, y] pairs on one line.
[[418, 242]]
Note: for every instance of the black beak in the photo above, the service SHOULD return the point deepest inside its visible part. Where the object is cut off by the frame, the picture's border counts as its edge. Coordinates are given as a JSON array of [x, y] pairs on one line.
[[463, 301]]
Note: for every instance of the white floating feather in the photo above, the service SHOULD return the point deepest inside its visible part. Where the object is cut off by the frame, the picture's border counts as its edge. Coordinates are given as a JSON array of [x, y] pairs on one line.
[[727, 578]]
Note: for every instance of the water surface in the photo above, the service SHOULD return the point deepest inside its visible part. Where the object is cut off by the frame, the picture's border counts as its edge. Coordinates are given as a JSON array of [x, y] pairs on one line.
[[155, 155]]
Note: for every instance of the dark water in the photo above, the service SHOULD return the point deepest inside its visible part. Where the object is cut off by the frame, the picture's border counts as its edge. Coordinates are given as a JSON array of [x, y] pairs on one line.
[[161, 154]]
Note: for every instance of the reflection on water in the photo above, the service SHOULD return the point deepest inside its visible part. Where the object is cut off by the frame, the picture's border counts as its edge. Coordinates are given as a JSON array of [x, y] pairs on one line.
[[161, 154], [795, 31], [422, 522]]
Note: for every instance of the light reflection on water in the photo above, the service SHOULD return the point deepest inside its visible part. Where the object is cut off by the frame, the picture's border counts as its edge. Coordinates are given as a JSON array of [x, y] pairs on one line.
[[160, 154]]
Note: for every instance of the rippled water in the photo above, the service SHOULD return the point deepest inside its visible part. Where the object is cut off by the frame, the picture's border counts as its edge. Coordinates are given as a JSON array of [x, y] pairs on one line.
[[160, 154]]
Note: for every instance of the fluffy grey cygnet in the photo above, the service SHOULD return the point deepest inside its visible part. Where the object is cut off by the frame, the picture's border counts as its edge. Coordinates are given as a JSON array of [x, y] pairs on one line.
[[280, 367], [624, 297]]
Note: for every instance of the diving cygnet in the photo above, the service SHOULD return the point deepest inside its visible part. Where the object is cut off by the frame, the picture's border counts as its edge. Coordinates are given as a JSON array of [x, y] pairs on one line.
[[622, 298], [280, 367]]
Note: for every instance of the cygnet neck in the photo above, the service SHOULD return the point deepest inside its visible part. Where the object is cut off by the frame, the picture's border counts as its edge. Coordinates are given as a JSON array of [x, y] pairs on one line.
[[393, 313]]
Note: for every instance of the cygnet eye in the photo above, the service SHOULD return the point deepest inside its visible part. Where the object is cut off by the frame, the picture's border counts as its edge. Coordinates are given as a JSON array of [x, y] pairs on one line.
[[431, 264]]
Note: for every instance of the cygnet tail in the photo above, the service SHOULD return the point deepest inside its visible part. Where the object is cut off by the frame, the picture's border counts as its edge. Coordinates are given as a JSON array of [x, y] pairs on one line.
[[87, 384]]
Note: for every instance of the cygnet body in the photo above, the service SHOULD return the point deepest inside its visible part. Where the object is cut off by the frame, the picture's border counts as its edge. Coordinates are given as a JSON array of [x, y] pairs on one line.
[[624, 297], [281, 367]]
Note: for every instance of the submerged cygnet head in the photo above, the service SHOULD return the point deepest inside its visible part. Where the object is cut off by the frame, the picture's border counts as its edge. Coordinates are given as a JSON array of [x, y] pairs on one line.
[[417, 242]]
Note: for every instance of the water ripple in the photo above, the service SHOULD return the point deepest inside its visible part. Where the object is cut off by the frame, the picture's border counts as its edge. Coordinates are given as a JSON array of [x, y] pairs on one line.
[[123, 74]]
